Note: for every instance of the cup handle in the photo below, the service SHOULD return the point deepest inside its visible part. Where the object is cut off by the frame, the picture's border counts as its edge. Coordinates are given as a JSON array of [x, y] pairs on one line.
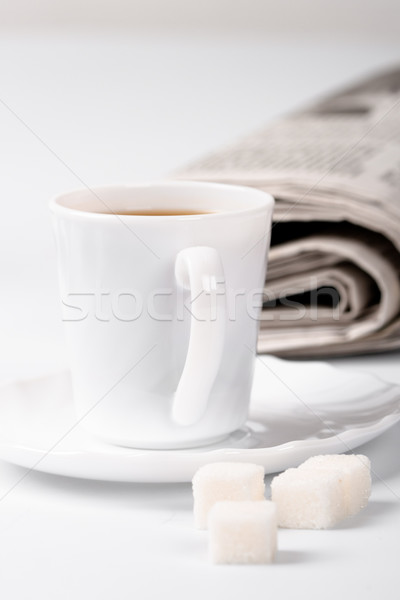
[[199, 269]]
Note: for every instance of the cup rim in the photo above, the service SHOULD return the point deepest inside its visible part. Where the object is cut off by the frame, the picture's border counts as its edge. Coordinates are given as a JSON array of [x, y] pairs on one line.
[[261, 201]]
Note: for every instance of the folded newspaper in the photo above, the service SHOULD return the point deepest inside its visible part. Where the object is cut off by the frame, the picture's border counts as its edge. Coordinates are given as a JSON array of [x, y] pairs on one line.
[[333, 283]]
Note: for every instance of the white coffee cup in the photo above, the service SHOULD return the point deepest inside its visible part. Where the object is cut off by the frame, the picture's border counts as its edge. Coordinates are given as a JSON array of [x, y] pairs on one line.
[[161, 311]]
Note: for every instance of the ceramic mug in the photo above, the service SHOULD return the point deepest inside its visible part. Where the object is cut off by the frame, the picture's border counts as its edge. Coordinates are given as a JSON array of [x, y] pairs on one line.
[[161, 310]]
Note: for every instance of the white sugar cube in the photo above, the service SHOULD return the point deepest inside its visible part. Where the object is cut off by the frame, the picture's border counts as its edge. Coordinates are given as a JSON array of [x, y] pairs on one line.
[[355, 473], [225, 481], [308, 498], [242, 532]]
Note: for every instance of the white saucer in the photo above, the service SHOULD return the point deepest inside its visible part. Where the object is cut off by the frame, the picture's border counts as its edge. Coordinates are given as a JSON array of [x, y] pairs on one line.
[[298, 409]]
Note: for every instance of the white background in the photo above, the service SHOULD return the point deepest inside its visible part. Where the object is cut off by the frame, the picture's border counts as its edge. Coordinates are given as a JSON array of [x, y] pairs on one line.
[[102, 92], [374, 18]]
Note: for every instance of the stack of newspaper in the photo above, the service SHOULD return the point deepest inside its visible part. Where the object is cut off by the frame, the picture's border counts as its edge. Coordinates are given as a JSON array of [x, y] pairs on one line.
[[333, 283]]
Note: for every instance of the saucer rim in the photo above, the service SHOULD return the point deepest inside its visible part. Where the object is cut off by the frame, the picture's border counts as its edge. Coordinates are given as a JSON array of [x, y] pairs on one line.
[[55, 461]]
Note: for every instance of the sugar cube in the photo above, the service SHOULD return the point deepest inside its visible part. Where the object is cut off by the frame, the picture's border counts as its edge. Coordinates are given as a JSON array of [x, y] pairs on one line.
[[308, 498], [355, 473], [242, 532], [215, 482]]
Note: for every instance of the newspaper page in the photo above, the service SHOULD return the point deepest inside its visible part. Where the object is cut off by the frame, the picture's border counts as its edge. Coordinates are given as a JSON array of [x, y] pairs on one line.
[[333, 284]]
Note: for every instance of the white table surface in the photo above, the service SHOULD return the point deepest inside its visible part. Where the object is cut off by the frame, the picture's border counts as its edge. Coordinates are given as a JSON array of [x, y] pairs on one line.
[[105, 109]]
